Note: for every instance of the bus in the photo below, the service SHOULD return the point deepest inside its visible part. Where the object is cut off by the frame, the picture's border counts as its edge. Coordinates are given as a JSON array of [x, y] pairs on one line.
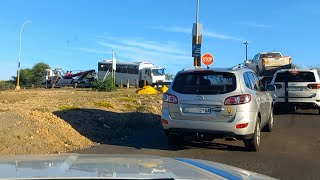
[[132, 71]]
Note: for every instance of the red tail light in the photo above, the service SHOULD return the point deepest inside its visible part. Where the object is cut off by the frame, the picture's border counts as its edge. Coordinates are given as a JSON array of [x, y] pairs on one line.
[[236, 100], [313, 86], [170, 98], [164, 121], [243, 125]]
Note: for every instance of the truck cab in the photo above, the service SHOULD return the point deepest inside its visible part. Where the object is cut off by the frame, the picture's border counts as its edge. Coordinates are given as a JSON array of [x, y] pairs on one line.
[[152, 75]]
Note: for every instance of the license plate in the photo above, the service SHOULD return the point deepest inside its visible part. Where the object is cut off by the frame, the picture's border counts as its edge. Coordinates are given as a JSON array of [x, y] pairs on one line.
[[295, 89], [197, 110]]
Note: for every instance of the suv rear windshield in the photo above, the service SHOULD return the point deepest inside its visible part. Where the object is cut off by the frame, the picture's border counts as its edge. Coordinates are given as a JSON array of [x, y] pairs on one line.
[[298, 76], [203, 82]]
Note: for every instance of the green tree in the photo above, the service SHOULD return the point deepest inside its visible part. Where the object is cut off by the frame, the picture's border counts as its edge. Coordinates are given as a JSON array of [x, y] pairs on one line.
[[169, 76], [25, 77], [317, 66], [32, 76], [37, 72], [295, 66]]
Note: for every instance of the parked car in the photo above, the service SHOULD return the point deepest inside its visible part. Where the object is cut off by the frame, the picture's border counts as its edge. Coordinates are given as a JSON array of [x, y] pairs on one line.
[[297, 88], [229, 103]]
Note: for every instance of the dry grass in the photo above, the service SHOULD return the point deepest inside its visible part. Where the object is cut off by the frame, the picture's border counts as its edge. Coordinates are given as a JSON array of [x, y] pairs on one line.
[[68, 108], [130, 106], [104, 104], [127, 99], [43, 109]]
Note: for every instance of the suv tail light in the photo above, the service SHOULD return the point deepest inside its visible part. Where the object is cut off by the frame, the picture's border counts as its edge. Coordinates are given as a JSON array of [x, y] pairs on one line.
[[313, 86], [236, 100], [169, 98]]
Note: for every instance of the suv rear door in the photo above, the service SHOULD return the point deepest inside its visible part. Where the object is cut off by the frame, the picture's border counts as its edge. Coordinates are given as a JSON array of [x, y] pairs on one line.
[[201, 96], [261, 96], [294, 84]]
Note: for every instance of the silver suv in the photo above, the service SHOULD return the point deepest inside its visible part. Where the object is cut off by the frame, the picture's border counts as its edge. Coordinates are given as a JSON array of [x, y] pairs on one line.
[[229, 103], [297, 88]]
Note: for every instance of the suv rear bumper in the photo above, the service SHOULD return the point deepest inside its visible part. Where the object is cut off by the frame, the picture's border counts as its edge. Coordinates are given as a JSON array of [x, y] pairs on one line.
[[216, 129], [207, 133]]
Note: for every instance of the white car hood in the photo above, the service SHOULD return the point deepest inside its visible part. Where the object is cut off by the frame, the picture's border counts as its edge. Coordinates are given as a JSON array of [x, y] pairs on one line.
[[82, 166]]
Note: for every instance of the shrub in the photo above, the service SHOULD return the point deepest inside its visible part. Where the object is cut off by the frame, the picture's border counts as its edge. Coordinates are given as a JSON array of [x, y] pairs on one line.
[[106, 85], [5, 85]]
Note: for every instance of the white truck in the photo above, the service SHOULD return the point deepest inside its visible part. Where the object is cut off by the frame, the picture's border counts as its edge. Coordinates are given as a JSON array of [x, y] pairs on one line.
[[267, 63], [59, 78], [132, 71]]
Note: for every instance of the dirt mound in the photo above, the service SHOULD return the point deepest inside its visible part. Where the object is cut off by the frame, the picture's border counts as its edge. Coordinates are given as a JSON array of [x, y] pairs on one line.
[[54, 121]]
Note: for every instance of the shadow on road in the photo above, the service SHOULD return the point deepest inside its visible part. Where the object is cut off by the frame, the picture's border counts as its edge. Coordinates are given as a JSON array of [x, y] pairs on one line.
[[300, 112], [133, 129], [214, 145]]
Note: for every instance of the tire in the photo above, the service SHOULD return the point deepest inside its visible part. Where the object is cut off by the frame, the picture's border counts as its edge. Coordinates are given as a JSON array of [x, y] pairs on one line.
[[141, 84], [269, 125], [253, 144], [319, 111]]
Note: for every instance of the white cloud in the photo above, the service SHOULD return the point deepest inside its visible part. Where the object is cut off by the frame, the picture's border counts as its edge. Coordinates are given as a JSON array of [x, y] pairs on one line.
[[171, 55], [90, 50], [255, 25], [137, 53], [221, 36], [172, 29], [205, 32]]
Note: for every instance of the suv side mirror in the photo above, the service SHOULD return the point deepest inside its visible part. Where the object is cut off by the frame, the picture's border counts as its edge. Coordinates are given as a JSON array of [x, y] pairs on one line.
[[271, 87]]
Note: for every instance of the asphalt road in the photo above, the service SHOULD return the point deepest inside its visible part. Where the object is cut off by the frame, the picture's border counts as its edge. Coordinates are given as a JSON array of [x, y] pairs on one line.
[[291, 151]]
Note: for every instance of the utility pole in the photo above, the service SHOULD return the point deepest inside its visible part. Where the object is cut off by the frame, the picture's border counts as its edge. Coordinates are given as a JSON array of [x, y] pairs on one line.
[[246, 43], [197, 39], [19, 57]]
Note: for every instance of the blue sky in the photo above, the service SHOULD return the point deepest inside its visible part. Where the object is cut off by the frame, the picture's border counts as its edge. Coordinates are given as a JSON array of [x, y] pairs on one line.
[[77, 34]]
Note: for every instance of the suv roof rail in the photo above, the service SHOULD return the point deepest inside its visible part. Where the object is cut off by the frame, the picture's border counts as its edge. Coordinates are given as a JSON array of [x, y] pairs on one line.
[[188, 68], [239, 66]]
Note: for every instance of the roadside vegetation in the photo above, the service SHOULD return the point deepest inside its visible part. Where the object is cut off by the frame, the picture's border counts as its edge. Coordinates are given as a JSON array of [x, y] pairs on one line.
[[104, 85], [32, 76]]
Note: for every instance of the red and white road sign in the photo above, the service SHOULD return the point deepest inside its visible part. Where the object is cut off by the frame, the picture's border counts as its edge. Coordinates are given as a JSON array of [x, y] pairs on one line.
[[207, 59]]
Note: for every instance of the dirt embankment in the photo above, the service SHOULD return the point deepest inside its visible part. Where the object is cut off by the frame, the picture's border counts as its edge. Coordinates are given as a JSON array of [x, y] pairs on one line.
[[54, 121]]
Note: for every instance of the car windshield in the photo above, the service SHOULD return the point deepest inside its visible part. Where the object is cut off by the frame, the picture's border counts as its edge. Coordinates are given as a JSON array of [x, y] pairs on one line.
[[172, 78], [270, 55], [297, 76], [206, 83], [157, 72]]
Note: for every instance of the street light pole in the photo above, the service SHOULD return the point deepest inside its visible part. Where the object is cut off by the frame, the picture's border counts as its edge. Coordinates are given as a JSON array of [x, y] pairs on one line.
[[196, 39], [197, 15], [19, 57], [246, 43]]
